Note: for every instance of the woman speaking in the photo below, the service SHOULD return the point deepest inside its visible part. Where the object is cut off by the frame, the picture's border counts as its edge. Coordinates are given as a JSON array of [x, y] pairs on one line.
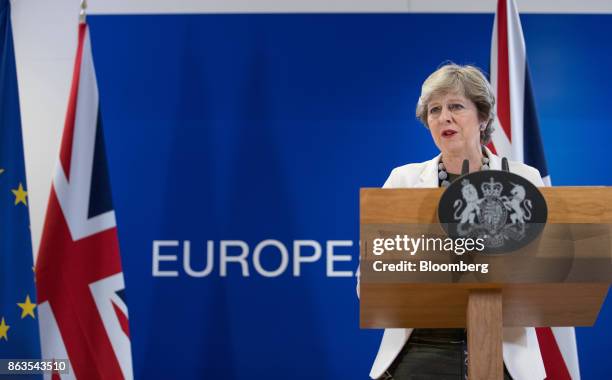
[[457, 106]]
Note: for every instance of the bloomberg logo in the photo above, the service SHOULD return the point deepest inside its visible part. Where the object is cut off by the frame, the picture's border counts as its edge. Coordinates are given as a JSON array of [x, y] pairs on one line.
[[172, 258]]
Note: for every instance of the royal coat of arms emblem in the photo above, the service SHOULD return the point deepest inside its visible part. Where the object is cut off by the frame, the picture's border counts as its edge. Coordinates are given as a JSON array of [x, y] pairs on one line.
[[503, 209]]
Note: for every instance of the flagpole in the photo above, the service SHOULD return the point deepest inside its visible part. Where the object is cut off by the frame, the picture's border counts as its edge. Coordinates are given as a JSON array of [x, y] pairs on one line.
[[83, 12]]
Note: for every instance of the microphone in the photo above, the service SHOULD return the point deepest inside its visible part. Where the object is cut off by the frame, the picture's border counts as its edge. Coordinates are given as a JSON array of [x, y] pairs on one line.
[[505, 165], [465, 168]]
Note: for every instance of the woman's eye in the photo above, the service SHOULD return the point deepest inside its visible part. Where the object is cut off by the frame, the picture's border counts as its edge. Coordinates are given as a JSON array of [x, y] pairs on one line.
[[434, 109], [456, 106]]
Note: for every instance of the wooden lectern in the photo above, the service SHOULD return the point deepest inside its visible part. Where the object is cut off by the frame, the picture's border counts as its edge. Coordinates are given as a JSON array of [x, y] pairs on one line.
[[579, 218]]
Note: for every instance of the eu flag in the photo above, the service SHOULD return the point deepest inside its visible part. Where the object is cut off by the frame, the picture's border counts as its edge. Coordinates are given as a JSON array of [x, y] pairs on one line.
[[19, 337]]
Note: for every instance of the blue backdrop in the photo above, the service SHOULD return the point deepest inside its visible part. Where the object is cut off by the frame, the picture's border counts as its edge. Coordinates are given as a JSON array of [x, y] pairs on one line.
[[255, 127]]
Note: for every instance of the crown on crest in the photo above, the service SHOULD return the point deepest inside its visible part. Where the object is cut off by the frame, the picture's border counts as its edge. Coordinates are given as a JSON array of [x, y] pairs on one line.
[[491, 188]]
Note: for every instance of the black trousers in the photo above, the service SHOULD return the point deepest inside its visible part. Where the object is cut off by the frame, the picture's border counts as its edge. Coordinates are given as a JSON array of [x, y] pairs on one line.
[[433, 354]]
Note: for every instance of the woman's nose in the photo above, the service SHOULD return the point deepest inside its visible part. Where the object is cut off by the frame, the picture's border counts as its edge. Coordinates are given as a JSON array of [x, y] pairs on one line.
[[445, 115]]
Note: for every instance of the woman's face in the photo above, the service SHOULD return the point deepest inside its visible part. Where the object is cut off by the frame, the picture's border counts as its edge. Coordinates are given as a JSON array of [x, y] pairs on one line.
[[453, 121]]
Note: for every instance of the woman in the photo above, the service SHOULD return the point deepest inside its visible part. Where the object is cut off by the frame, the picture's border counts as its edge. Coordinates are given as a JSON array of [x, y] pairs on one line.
[[457, 106]]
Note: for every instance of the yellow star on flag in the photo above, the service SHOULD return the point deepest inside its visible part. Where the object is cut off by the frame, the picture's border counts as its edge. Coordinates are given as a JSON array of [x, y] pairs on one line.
[[1, 170], [27, 308], [20, 195], [3, 329]]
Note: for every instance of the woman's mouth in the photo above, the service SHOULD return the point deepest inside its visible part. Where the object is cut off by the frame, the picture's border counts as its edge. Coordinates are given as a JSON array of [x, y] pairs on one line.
[[448, 133]]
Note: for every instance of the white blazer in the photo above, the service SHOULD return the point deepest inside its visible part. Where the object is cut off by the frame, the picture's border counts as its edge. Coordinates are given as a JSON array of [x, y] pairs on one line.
[[521, 351]]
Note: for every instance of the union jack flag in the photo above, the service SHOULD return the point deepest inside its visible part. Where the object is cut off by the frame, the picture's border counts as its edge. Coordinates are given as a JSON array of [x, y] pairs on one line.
[[517, 137], [79, 279]]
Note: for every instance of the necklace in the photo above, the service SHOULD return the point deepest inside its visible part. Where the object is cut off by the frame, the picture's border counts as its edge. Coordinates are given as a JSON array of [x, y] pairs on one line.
[[443, 176]]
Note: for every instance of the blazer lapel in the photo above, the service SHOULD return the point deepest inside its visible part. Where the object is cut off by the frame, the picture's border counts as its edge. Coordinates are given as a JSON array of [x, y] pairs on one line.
[[494, 161], [429, 175]]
